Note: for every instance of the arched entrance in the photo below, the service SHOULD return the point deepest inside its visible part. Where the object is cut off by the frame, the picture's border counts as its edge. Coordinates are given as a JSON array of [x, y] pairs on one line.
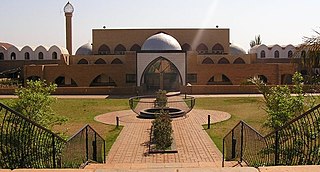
[[161, 74]]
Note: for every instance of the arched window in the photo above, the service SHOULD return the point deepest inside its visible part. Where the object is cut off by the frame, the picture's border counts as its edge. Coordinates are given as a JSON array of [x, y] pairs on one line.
[[13, 56], [40, 55], [223, 61], [135, 47], [103, 80], [207, 61], [226, 80], [239, 61], [290, 54], [54, 55], [186, 47], [1, 56], [276, 54], [211, 81], [103, 49], [262, 54], [116, 61], [83, 61], [100, 61], [120, 49], [202, 49], [217, 49], [61, 82], [27, 56], [286, 79]]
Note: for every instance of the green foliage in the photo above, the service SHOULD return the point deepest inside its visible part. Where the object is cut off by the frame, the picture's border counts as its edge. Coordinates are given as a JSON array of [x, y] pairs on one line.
[[280, 105], [34, 102], [256, 41], [161, 99], [162, 131]]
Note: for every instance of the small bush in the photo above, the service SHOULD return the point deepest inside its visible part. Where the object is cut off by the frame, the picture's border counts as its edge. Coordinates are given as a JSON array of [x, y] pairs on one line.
[[162, 131], [161, 99]]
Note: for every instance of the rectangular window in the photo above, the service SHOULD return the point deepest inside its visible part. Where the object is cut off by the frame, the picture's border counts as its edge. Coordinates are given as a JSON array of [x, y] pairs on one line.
[[192, 78], [130, 78]]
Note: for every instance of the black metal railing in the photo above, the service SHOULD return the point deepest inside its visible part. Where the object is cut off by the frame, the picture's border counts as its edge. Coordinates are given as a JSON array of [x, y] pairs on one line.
[[26, 144], [139, 103], [295, 143], [84, 146]]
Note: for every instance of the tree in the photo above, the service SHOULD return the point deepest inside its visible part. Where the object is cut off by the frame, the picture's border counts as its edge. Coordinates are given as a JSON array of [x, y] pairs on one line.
[[309, 55], [280, 105], [256, 41], [161, 99], [34, 102]]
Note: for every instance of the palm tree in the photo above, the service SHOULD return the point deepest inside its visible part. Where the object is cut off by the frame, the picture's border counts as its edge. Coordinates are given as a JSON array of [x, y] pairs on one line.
[[256, 41], [309, 55]]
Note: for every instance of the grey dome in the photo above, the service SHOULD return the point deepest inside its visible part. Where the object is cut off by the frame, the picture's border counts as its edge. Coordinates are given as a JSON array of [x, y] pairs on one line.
[[236, 50], [161, 41], [85, 49]]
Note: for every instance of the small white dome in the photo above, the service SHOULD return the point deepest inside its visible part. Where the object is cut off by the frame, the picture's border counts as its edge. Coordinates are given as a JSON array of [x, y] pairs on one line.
[[161, 41], [236, 50], [85, 49]]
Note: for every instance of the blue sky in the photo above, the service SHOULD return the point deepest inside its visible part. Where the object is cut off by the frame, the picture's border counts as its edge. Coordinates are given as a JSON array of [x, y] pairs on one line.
[[41, 22]]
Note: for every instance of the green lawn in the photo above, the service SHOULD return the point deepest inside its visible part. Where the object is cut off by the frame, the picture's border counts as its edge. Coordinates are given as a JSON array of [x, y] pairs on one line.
[[82, 111], [246, 109]]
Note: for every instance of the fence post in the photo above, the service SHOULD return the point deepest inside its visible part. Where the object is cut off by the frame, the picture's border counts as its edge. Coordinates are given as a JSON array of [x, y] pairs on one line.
[[208, 121], [276, 149], [117, 119], [241, 142], [223, 152], [104, 151], [53, 152], [87, 144]]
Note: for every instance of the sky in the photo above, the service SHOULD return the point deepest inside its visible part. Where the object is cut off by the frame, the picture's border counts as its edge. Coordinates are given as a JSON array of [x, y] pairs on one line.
[[42, 22]]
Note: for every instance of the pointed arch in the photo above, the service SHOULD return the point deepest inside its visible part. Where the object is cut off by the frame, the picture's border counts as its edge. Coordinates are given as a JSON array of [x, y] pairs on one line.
[[223, 60], [40, 55], [103, 49], [13, 56], [54, 55], [226, 80], [83, 61], [239, 60], [61, 82], [116, 61], [186, 47], [135, 47], [100, 61], [27, 56], [161, 73], [262, 54], [103, 80], [217, 49], [290, 54], [202, 49], [211, 81], [207, 61], [120, 49], [276, 54]]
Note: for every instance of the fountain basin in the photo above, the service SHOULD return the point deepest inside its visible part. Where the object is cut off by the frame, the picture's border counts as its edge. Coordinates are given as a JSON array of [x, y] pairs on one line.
[[151, 113]]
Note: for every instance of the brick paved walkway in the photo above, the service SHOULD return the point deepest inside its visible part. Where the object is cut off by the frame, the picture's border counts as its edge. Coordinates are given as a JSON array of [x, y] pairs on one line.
[[195, 148]]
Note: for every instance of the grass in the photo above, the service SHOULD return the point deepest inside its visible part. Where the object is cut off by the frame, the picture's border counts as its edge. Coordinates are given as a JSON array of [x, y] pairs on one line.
[[82, 111], [246, 109]]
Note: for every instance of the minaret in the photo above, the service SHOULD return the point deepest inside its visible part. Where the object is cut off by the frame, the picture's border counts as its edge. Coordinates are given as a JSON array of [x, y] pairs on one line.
[[68, 10]]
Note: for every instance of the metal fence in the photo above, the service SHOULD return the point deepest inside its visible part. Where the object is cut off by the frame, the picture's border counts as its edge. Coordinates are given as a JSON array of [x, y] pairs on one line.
[[296, 143], [139, 103], [86, 145], [25, 144]]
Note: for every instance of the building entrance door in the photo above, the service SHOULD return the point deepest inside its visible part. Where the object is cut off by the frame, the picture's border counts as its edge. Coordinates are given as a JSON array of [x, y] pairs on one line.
[[161, 74]]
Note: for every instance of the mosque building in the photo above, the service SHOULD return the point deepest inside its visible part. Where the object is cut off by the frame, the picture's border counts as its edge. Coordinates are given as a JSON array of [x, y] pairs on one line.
[[130, 61]]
